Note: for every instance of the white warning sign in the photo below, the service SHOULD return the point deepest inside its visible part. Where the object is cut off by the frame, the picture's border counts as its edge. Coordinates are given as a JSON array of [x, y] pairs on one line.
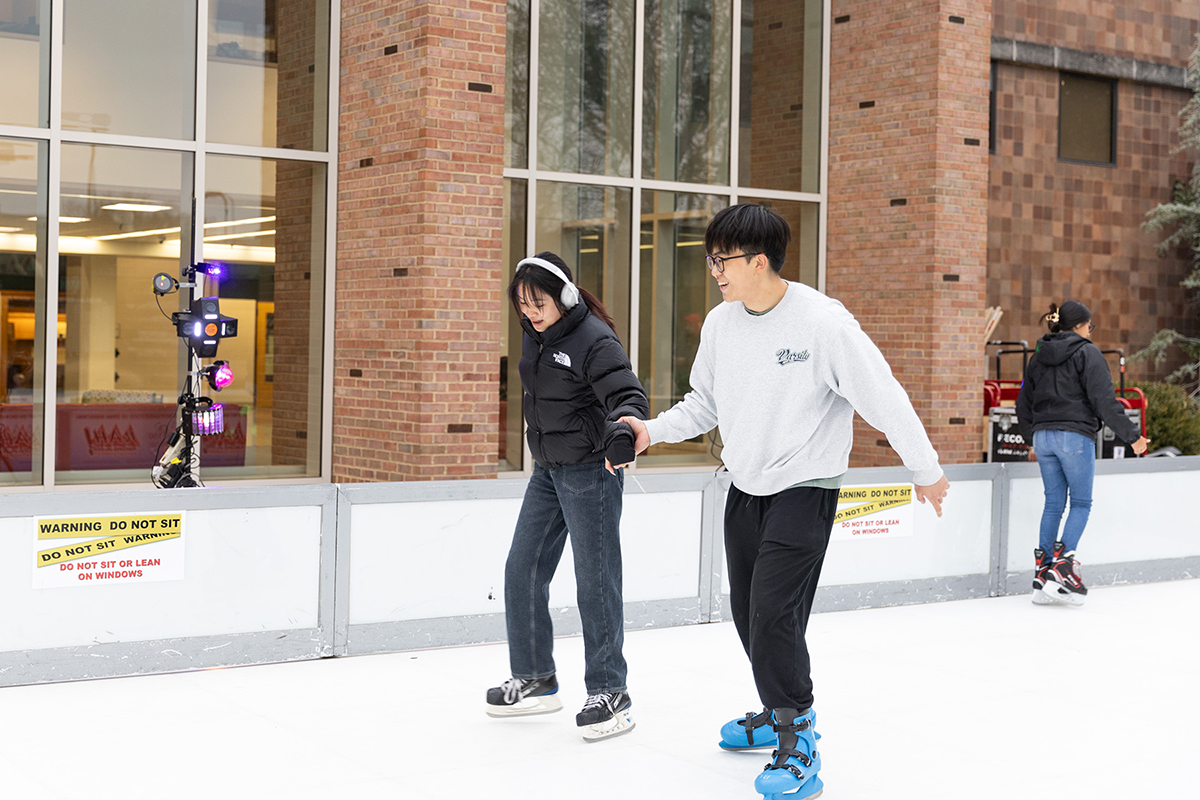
[[120, 548], [878, 511]]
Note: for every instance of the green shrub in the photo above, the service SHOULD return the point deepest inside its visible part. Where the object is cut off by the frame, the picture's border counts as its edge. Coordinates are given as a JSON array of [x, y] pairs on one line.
[[1172, 418]]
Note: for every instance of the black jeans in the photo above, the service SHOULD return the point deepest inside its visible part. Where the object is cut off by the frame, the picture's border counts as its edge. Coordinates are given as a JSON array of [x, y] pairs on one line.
[[775, 546]]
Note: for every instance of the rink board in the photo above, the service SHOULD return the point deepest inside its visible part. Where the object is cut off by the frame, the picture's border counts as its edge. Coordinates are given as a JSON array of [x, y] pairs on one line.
[[281, 573]]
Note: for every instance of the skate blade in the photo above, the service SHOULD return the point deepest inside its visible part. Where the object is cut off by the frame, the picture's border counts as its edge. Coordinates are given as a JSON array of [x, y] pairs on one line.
[[809, 790], [1040, 598], [1060, 595], [617, 726], [529, 707]]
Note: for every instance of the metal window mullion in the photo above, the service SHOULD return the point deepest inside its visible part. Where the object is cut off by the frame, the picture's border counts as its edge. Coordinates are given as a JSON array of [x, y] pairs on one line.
[[735, 94], [331, 206], [535, 25], [823, 208], [635, 200], [53, 209]]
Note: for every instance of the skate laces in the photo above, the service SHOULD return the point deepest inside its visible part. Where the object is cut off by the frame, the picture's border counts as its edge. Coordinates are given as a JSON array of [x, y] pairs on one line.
[[597, 700], [512, 690]]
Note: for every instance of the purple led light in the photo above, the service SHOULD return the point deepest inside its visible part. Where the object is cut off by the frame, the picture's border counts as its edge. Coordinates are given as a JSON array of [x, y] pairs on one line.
[[222, 377]]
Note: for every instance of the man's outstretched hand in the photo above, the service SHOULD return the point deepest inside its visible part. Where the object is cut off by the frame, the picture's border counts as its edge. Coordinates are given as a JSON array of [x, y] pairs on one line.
[[641, 440], [935, 493]]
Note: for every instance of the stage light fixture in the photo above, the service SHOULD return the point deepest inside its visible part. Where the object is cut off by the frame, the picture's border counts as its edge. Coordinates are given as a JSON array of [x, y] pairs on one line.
[[204, 327], [204, 421], [218, 374], [164, 284]]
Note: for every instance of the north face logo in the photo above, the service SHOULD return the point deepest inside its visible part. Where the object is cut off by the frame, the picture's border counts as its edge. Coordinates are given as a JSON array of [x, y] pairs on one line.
[[562, 358], [786, 356]]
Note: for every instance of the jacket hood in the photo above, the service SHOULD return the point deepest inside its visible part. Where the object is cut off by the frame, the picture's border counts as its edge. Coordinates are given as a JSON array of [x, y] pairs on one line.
[[1055, 348]]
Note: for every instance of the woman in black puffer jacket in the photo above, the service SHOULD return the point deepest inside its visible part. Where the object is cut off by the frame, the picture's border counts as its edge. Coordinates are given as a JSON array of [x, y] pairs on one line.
[[1066, 392], [577, 382]]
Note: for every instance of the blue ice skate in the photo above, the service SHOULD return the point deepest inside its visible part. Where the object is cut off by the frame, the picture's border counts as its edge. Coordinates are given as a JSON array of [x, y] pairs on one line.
[[792, 774], [751, 732]]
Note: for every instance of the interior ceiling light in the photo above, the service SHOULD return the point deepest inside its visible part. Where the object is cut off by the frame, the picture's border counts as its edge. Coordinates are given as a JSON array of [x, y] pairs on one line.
[[238, 236], [235, 222], [6, 229], [134, 207], [134, 234], [65, 219]]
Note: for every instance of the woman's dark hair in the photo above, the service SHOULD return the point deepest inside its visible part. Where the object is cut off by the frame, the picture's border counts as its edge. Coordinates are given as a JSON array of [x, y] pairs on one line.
[[533, 279], [750, 228], [1067, 317]]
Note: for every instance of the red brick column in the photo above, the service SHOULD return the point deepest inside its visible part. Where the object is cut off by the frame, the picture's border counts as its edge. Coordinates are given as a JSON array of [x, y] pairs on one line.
[[417, 329], [907, 208]]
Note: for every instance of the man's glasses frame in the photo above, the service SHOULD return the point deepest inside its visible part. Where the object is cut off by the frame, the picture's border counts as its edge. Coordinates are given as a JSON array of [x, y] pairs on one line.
[[718, 262]]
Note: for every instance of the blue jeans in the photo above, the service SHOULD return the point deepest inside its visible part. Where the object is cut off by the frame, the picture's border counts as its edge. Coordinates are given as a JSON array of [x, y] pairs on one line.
[[1068, 464], [583, 501]]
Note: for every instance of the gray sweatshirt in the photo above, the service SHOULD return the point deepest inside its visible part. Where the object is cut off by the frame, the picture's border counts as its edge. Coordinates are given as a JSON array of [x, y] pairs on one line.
[[784, 386]]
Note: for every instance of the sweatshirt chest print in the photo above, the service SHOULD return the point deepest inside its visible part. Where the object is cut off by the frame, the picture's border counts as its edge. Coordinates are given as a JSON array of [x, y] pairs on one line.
[[786, 356], [562, 358]]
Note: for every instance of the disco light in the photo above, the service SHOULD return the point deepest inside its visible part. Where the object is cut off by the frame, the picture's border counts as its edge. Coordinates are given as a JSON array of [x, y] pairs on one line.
[[218, 374]]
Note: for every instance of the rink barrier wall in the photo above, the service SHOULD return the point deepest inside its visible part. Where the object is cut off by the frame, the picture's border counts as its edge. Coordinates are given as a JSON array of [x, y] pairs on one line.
[[291, 573]]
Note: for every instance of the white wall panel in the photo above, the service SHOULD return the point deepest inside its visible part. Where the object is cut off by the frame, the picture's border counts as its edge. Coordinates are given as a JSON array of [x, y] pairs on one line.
[[246, 570], [1135, 517]]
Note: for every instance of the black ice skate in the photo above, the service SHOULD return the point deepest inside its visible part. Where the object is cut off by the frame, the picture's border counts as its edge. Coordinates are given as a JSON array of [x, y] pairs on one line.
[[1062, 579], [516, 697], [605, 715]]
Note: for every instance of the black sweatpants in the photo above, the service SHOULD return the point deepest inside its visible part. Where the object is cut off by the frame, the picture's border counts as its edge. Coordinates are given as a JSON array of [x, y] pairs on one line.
[[775, 546]]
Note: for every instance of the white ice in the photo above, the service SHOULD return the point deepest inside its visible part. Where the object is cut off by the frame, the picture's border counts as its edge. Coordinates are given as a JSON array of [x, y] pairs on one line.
[[979, 699]]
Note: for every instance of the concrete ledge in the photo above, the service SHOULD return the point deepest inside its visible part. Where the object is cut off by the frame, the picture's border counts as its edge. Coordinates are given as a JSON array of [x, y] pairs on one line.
[[1106, 66]]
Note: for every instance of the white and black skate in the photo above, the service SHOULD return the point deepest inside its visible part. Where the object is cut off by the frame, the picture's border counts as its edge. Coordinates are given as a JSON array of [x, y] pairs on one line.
[[605, 715], [516, 697]]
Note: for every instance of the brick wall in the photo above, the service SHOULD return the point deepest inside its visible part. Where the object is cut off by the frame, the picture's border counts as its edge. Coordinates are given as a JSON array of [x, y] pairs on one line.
[[419, 227], [1161, 31], [1062, 230], [294, 365], [907, 216]]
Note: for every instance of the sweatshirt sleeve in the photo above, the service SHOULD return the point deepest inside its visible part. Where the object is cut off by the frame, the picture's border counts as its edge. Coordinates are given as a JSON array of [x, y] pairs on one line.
[[1102, 397], [857, 371], [608, 372], [1025, 404], [696, 413]]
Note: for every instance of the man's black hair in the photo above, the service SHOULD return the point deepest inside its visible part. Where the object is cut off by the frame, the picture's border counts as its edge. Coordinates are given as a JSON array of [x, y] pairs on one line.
[[749, 228]]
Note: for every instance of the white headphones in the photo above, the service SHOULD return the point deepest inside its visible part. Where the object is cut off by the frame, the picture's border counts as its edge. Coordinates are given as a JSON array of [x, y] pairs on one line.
[[570, 293]]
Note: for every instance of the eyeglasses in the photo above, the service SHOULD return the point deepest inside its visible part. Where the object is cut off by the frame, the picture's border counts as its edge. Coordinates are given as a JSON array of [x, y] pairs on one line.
[[718, 262]]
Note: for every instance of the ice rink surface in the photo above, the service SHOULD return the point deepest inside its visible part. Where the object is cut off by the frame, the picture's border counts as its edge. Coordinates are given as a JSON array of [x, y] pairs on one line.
[[970, 700]]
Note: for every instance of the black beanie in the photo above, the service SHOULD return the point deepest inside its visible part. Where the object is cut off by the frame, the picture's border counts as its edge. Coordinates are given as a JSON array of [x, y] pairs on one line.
[[1070, 314]]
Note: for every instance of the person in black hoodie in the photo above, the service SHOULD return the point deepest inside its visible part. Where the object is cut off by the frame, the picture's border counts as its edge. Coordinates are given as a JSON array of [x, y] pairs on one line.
[[1066, 393], [577, 382]]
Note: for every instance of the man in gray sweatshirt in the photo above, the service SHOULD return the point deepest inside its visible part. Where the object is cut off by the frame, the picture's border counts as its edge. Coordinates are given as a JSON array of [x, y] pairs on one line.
[[781, 370]]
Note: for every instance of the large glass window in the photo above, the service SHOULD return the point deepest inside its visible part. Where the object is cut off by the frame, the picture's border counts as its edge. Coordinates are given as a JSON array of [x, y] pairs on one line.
[[268, 63], [120, 222], [1087, 110], [686, 91], [22, 309], [779, 119], [516, 85], [677, 292], [512, 446], [585, 86], [129, 67], [264, 221], [24, 61]]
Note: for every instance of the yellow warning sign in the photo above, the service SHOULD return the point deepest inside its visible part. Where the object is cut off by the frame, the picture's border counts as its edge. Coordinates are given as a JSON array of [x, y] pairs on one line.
[[878, 498], [108, 544], [79, 527]]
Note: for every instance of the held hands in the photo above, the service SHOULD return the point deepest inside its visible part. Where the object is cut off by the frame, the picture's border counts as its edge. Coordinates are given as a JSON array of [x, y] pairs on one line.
[[936, 493], [641, 440], [1139, 446]]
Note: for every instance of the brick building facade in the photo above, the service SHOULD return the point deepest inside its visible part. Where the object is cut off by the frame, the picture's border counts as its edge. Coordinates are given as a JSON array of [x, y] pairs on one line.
[[925, 228]]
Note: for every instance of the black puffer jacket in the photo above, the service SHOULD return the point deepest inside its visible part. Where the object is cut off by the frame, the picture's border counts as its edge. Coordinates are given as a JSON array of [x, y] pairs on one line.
[[1068, 387], [578, 381]]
